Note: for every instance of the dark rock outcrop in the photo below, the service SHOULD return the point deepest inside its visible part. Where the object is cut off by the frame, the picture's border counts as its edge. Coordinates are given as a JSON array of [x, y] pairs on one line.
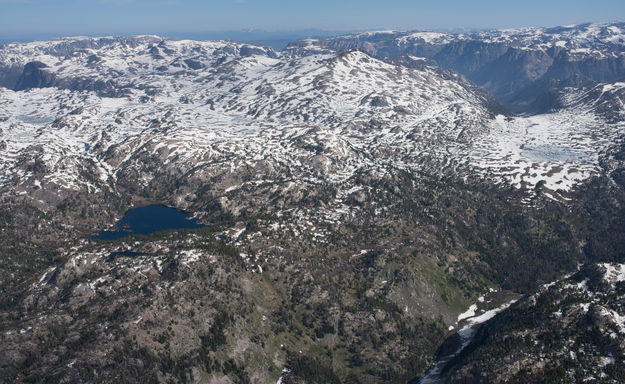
[[35, 76]]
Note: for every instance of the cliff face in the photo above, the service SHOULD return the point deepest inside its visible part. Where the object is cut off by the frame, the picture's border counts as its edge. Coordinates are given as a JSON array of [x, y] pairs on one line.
[[34, 75]]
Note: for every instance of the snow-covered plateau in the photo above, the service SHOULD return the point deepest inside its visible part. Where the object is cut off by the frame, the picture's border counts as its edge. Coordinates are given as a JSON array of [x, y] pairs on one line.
[[102, 103]]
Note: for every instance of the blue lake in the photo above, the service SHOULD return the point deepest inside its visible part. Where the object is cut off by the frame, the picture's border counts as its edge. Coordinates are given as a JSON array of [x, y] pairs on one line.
[[149, 219]]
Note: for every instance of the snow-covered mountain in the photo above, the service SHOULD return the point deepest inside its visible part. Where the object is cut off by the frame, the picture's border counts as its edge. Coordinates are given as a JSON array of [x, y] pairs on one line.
[[227, 110], [594, 37], [518, 66], [101, 106]]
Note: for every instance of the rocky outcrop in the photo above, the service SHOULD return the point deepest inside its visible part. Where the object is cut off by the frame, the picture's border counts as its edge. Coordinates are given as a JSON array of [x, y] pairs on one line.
[[571, 330], [35, 75]]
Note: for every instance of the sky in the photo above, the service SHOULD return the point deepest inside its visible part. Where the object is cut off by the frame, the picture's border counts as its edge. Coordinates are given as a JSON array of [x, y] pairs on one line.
[[24, 18]]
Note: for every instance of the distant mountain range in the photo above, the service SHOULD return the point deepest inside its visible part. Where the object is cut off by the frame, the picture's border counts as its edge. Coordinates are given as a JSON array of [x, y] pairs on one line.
[[277, 40], [524, 68]]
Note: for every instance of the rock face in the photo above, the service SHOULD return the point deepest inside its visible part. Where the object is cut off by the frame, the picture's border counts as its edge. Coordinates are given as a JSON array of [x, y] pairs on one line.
[[35, 76], [9, 75]]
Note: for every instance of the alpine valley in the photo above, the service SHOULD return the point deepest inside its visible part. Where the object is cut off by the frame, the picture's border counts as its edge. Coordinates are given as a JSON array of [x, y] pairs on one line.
[[378, 207]]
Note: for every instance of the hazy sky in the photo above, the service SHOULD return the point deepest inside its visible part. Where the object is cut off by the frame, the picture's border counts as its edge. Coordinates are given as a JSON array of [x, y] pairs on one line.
[[70, 17]]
